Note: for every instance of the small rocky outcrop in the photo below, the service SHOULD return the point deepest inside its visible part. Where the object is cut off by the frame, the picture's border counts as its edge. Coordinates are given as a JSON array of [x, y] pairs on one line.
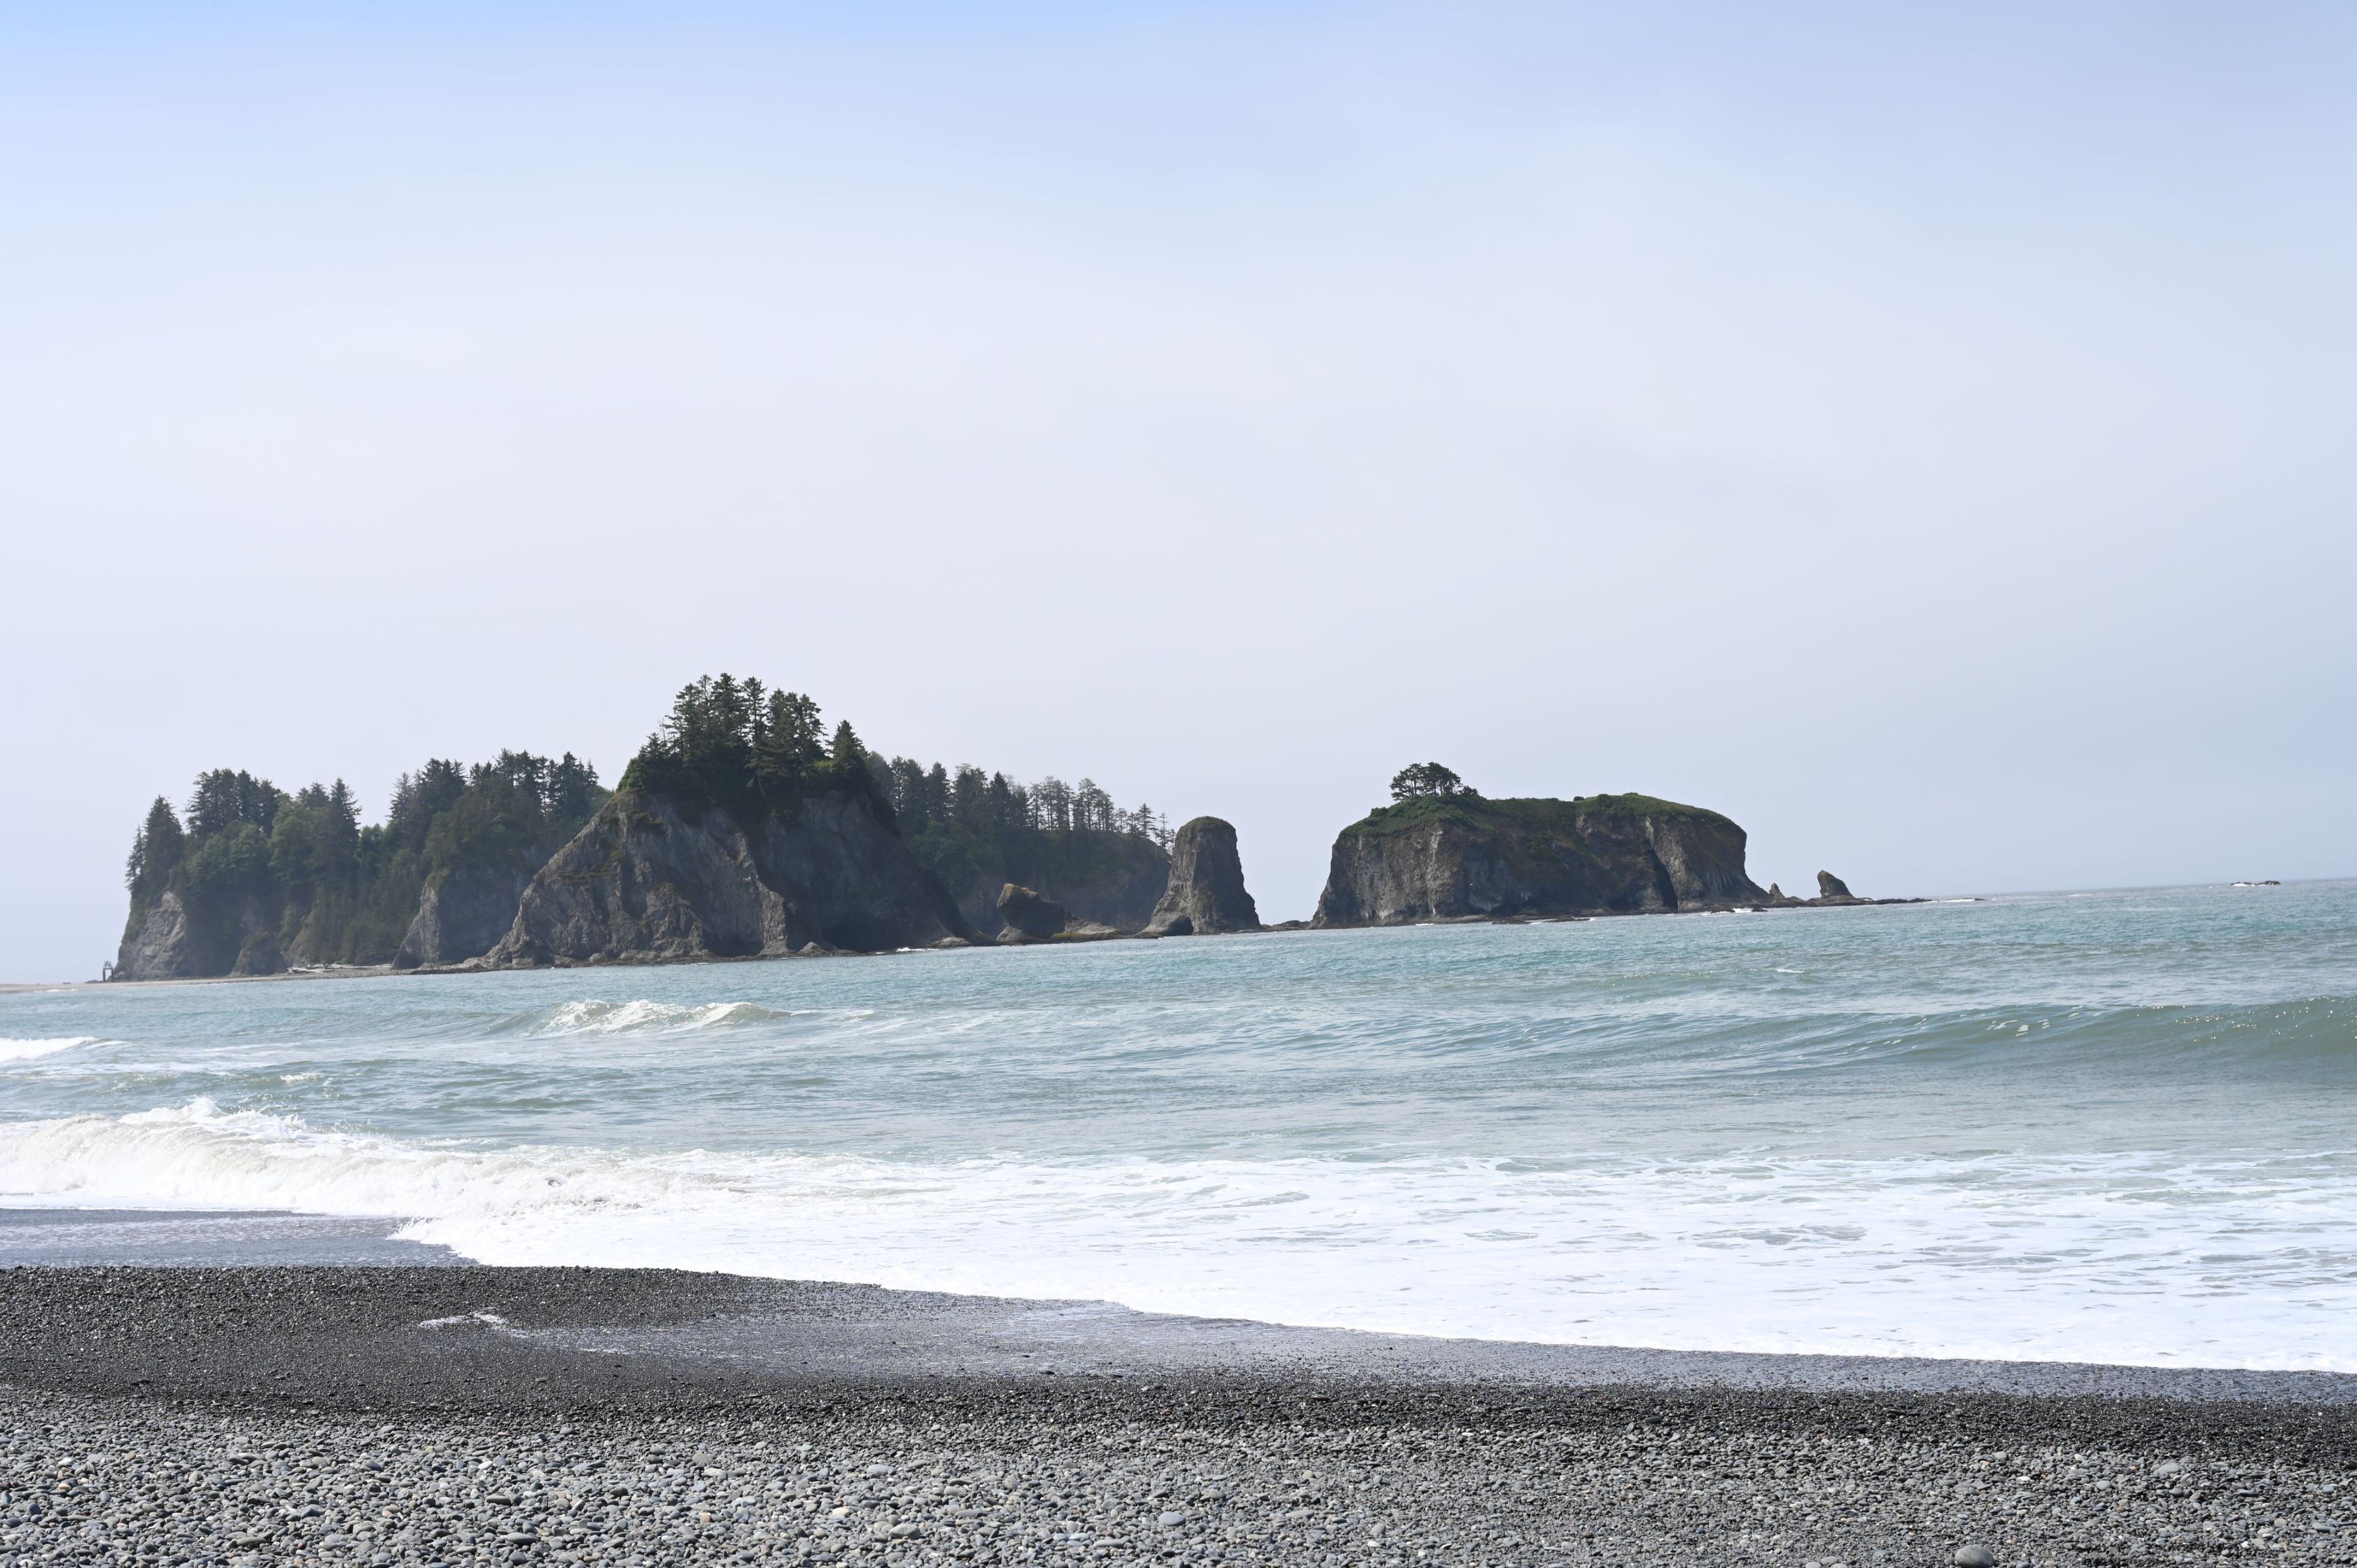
[[1026, 916], [1833, 893], [1206, 897], [1101, 878], [1030, 916], [650, 880], [1466, 857], [462, 915]]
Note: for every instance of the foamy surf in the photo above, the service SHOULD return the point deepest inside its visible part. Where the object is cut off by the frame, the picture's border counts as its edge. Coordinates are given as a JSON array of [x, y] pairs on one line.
[[2086, 1259], [639, 1017], [2114, 1127]]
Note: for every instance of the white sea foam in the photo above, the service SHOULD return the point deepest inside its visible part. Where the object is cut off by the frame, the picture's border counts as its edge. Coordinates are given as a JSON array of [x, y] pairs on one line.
[[643, 1017], [26, 1050], [2120, 1258]]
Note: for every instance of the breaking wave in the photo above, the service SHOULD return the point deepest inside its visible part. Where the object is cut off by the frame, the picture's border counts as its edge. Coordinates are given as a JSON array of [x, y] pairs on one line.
[[26, 1050], [2136, 1257], [641, 1017]]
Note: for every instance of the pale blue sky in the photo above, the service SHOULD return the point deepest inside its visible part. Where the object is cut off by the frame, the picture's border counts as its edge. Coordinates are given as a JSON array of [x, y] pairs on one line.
[[1922, 437]]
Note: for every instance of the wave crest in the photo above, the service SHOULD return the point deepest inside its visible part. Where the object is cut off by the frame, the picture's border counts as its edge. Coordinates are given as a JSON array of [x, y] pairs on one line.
[[26, 1050], [638, 1017]]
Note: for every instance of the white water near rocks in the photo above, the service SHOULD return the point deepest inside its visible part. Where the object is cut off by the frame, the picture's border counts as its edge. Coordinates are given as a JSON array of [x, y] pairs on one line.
[[2114, 1127]]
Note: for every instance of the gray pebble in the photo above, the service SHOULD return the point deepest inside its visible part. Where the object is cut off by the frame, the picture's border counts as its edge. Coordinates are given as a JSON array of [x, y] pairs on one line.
[[1975, 1556]]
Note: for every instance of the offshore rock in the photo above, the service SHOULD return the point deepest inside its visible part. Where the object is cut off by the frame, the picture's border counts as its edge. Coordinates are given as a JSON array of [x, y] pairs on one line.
[[1110, 879], [1029, 917], [1831, 886], [1466, 858], [650, 879], [1206, 897], [462, 915]]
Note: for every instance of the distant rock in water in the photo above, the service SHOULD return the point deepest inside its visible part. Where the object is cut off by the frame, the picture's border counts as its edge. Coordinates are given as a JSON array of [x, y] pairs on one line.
[[1026, 916], [1463, 857], [650, 880], [1206, 897], [1102, 878], [1833, 893]]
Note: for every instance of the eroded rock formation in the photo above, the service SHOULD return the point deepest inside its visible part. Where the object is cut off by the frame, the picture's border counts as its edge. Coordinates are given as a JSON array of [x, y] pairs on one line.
[[1027, 915], [648, 880], [1206, 896], [1466, 857], [462, 915]]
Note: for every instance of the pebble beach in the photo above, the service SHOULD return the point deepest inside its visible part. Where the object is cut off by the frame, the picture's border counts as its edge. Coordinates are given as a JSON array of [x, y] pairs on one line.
[[469, 1415]]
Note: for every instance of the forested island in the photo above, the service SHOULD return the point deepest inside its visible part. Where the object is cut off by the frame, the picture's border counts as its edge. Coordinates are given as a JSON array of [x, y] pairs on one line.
[[249, 879], [1442, 851], [745, 827]]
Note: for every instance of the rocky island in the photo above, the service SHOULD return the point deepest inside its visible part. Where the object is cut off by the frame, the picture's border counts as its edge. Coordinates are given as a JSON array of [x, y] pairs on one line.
[[1443, 852], [741, 828]]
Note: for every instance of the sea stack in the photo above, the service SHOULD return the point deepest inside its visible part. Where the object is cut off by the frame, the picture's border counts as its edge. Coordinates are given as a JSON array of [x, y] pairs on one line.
[[1206, 897], [1461, 856]]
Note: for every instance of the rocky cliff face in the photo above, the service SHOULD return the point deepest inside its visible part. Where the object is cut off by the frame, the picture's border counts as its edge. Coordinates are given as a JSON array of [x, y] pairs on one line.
[[462, 915], [1466, 858], [169, 941], [1206, 895], [157, 947], [647, 881]]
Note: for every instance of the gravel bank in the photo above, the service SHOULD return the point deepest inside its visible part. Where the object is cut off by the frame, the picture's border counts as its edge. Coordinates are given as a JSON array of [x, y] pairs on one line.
[[469, 1416]]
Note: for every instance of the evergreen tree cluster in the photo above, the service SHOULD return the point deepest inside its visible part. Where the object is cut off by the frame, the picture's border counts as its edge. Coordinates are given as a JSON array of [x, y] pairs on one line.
[[267, 877], [758, 752], [1429, 780], [925, 797], [755, 751], [976, 831]]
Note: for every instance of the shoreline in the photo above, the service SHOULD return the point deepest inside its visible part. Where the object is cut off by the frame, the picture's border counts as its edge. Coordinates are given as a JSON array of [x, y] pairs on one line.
[[1282, 927], [762, 1324], [628, 1415]]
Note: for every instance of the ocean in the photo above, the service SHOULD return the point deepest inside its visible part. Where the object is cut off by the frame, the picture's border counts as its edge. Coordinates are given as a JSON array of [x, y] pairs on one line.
[[2115, 1126]]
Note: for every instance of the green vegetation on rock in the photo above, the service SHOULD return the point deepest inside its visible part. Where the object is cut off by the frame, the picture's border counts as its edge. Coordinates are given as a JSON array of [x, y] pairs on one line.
[[753, 752], [1526, 814], [978, 832], [257, 880]]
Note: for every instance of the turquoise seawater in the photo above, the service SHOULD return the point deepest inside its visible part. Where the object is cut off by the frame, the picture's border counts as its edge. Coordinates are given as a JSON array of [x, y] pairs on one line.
[[2112, 1126]]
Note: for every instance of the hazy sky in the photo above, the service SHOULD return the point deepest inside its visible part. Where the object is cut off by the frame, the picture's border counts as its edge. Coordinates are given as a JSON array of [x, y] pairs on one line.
[[1926, 439]]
